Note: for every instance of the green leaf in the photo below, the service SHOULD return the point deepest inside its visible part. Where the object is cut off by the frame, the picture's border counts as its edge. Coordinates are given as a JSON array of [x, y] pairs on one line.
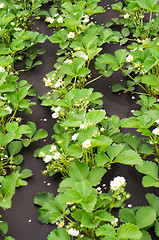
[[118, 87], [9, 238], [82, 72], [8, 190], [40, 134], [17, 45], [113, 151], [101, 141], [78, 171], [121, 53], [106, 230], [101, 159], [129, 157], [145, 216], [117, 6], [42, 198], [132, 140], [77, 214], [45, 211], [57, 210], [106, 59], [89, 202], [127, 215], [149, 168], [14, 147], [71, 123], [103, 216], [7, 18], [125, 32], [59, 234], [89, 221], [157, 228], [23, 129], [153, 201], [37, 63], [95, 176], [145, 235], [12, 127], [75, 151], [18, 159], [149, 181], [95, 116], [3, 227], [128, 231], [150, 80], [145, 149], [26, 173]]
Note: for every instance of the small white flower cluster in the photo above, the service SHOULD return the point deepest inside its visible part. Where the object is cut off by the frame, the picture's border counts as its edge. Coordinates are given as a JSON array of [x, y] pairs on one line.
[[52, 19], [48, 82], [8, 108], [49, 19], [74, 137], [54, 154], [56, 113], [117, 183], [85, 18]]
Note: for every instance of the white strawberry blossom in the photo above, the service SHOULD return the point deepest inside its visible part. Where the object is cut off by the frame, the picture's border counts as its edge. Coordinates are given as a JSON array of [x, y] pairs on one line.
[[57, 84], [86, 144], [71, 35], [83, 126], [69, 61], [57, 109], [2, 5], [47, 82], [53, 148], [129, 58], [114, 223], [2, 69], [55, 115], [114, 185], [47, 158], [60, 20], [9, 109], [126, 15], [73, 232], [56, 155], [49, 19], [18, 29], [117, 182], [74, 137], [84, 56], [157, 121], [56, 14], [156, 131]]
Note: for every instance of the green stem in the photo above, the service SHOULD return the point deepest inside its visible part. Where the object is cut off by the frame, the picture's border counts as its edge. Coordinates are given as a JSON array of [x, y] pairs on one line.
[[132, 78], [94, 80]]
